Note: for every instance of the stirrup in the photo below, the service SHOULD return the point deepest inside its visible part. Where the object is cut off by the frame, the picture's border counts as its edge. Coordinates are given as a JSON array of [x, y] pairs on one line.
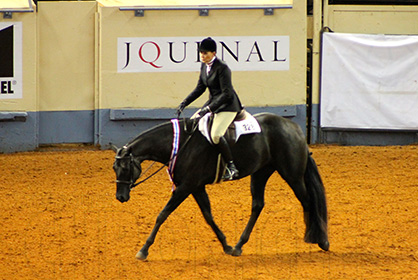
[[231, 172]]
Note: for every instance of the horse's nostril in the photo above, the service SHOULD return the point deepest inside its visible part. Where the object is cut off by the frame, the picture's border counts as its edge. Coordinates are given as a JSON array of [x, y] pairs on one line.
[[122, 198]]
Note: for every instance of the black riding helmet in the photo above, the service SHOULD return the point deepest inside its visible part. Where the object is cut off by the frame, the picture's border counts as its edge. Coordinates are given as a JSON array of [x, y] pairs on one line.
[[207, 45]]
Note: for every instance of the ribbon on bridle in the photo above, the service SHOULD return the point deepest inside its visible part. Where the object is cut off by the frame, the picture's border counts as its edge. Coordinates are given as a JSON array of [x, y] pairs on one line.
[[174, 150]]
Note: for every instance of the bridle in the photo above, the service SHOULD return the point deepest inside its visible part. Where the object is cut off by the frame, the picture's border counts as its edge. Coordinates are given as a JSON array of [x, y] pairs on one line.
[[132, 164]]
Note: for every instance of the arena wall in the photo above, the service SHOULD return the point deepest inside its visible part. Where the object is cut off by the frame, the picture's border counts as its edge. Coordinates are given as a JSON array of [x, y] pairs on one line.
[[74, 92], [66, 71], [363, 19]]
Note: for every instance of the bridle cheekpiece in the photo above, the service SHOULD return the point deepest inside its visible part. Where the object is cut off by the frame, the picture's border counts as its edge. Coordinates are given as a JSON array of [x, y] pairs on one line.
[[132, 164]]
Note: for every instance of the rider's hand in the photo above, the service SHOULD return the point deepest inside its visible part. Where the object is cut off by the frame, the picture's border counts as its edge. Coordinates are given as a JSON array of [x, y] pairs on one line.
[[180, 108], [204, 111]]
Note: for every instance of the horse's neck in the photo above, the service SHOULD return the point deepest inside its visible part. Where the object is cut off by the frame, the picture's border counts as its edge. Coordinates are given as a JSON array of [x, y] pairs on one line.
[[154, 144]]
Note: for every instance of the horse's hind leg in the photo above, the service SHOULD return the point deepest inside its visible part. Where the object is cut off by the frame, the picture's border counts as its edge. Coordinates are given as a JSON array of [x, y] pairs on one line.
[[202, 200], [317, 230], [176, 199], [258, 184]]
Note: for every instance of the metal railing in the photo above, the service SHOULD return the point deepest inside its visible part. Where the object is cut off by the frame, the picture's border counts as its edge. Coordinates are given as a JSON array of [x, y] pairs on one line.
[[203, 9]]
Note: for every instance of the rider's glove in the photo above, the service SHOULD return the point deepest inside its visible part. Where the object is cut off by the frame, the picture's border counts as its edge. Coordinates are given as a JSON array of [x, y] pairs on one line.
[[180, 108], [204, 111]]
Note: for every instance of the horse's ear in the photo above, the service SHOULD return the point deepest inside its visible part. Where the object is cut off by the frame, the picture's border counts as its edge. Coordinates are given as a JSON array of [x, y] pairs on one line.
[[114, 148]]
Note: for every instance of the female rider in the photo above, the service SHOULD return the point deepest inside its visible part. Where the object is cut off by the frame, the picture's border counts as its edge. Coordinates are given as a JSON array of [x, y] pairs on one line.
[[223, 101]]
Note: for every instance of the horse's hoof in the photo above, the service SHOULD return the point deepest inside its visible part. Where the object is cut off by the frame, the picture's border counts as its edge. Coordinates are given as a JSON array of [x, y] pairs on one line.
[[236, 252], [228, 250], [141, 256], [324, 245]]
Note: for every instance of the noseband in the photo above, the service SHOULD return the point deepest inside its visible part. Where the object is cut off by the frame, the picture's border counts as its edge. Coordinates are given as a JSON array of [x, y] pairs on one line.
[[132, 164]]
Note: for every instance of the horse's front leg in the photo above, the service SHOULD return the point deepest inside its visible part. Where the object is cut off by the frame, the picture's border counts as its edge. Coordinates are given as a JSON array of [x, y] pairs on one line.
[[202, 200], [258, 184], [176, 199]]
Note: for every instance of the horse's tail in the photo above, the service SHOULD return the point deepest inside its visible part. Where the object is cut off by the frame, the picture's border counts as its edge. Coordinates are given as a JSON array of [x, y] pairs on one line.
[[316, 222]]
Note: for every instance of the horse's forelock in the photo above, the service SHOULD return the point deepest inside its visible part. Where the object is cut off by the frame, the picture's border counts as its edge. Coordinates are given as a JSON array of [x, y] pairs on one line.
[[122, 152]]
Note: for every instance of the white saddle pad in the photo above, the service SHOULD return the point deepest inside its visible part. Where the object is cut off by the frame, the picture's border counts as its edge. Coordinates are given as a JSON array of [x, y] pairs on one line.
[[248, 125]]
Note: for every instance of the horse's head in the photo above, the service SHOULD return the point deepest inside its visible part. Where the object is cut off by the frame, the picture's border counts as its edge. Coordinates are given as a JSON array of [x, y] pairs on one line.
[[128, 169]]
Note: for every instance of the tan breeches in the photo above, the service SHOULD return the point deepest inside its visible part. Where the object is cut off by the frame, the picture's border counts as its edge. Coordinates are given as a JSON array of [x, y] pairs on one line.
[[221, 121]]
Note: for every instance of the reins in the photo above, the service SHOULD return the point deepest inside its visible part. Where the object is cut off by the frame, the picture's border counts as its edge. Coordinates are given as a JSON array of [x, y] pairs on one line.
[[144, 180]]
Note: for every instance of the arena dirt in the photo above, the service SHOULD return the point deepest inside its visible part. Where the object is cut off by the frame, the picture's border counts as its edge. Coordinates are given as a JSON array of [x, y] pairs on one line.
[[59, 219]]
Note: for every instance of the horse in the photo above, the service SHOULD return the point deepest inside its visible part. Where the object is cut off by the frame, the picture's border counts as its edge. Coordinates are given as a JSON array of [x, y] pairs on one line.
[[280, 146]]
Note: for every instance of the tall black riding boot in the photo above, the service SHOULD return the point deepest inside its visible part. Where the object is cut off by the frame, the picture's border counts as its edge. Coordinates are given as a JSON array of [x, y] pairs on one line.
[[231, 171]]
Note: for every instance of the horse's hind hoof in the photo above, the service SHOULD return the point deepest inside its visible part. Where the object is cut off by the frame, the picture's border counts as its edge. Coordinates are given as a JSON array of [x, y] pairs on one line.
[[236, 252], [141, 256], [324, 245], [228, 250]]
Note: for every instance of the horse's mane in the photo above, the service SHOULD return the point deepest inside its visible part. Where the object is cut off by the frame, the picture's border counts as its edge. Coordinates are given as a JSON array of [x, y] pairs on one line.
[[146, 132], [133, 141]]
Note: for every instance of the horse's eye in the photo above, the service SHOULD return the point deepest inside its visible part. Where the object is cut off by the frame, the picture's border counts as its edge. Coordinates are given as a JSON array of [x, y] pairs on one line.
[[124, 164]]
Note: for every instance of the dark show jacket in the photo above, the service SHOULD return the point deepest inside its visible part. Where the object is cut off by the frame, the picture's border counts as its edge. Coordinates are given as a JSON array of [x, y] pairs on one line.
[[222, 96]]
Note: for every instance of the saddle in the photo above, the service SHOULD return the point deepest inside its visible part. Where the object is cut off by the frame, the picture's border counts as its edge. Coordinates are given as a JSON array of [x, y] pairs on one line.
[[244, 123]]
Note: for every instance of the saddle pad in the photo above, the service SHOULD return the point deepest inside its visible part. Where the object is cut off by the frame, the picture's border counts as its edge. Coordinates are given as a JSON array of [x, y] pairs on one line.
[[248, 125]]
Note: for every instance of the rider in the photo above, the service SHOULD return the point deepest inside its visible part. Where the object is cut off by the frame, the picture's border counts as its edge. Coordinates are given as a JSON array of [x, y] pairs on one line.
[[223, 100]]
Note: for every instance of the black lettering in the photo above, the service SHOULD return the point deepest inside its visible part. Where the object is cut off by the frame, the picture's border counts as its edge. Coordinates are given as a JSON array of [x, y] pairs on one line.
[[225, 47], [197, 51], [128, 44], [171, 52], [257, 51], [276, 51], [9, 87], [3, 87]]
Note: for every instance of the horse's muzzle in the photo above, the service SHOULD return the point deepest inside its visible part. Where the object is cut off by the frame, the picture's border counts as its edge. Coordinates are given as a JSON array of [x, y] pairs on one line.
[[122, 197]]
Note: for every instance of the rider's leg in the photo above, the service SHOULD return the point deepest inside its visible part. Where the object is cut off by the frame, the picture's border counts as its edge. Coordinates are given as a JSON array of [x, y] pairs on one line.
[[231, 171], [221, 121]]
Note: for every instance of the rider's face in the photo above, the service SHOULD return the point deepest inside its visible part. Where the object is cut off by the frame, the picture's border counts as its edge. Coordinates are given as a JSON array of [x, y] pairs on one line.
[[206, 57]]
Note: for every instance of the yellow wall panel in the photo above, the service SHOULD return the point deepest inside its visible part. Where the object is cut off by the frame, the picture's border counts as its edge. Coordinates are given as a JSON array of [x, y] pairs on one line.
[[166, 90], [373, 19], [179, 3], [66, 55]]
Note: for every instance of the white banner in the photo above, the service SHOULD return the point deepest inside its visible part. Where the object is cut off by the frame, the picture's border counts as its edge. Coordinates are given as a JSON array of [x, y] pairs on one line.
[[369, 81], [180, 54], [10, 60]]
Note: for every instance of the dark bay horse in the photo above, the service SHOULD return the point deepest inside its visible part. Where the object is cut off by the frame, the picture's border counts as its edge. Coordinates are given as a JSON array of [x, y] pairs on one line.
[[279, 147]]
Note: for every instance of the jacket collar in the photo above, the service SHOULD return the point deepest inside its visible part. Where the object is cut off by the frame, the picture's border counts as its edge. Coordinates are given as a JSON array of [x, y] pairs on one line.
[[211, 64]]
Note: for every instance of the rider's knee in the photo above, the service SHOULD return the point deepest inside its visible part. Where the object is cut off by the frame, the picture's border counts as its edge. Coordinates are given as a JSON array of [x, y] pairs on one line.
[[215, 139]]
